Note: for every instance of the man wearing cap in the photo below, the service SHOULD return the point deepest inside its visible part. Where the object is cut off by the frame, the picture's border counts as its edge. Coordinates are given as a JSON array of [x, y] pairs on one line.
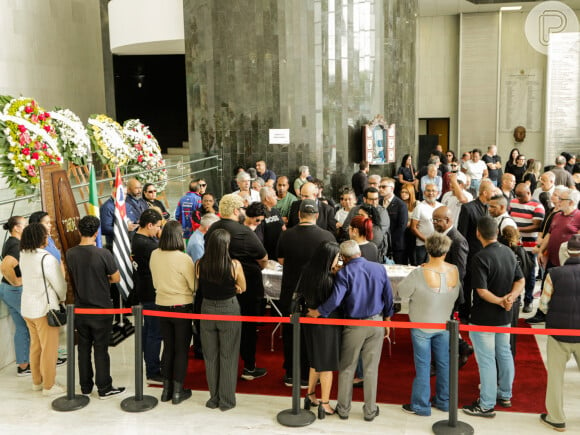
[[295, 248], [561, 304], [457, 195]]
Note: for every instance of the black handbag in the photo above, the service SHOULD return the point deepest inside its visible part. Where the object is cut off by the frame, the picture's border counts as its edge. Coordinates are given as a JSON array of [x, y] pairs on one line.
[[55, 318]]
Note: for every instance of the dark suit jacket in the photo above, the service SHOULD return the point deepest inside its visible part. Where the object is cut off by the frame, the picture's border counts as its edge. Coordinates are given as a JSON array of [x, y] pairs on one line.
[[458, 251], [467, 223], [325, 220], [398, 216]]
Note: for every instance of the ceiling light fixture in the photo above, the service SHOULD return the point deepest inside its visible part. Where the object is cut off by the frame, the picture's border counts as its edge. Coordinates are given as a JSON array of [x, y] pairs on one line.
[[510, 8]]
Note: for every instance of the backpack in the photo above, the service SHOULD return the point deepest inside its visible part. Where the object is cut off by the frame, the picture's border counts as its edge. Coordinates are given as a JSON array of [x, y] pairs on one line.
[[524, 260]]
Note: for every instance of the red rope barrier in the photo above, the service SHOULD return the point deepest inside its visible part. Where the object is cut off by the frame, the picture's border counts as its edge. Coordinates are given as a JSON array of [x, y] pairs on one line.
[[344, 322]]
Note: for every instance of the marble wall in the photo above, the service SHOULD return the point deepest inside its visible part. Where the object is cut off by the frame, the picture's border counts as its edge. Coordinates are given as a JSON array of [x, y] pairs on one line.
[[321, 68]]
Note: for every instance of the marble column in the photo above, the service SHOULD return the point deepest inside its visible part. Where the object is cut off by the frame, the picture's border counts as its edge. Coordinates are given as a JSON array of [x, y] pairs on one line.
[[321, 68]]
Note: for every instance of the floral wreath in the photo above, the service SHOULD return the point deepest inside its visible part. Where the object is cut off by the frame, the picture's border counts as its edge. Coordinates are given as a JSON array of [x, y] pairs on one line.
[[146, 154], [108, 141], [28, 141], [73, 137]]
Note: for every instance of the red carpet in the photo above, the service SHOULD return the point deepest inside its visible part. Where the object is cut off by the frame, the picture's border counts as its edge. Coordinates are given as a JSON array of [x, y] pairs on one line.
[[396, 373]]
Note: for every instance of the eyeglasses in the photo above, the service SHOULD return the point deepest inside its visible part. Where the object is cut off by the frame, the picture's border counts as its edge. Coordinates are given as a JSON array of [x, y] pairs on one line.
[[150, 191], [383, 186], [434, 220], [202, 184], [565, 199]]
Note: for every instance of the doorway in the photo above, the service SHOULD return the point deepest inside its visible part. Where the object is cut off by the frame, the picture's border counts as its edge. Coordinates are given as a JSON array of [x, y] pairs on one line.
[[436, 127]]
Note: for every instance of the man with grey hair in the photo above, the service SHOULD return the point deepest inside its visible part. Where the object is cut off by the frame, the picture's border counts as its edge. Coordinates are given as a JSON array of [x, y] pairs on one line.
[[458, 195], [421, 223], [303, 174], [561, 175], [196, 245], [272, 225], [563, 226], [247, 248], [363, 290], [374, 181], [546, 184], [245, 187]]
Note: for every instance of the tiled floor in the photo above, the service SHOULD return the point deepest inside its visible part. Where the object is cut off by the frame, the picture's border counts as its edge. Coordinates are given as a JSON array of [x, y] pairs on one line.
[[23, 411]]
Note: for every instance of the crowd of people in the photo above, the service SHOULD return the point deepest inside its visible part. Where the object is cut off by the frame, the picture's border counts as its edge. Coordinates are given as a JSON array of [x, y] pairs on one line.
[[479, 232]]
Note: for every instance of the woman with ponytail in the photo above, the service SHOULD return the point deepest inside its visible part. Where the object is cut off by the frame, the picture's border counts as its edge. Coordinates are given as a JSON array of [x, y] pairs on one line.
[[361, 231]]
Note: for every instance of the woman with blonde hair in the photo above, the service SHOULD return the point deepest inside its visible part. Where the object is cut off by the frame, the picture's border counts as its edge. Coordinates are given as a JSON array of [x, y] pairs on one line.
[[532, 173]]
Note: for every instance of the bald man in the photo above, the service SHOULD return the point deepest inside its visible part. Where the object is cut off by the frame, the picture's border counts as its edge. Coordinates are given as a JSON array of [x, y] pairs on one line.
[[325, 219], [134, 202]]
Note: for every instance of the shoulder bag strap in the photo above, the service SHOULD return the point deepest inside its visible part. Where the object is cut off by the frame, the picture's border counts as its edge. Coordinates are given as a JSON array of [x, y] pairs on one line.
[[44, 279]]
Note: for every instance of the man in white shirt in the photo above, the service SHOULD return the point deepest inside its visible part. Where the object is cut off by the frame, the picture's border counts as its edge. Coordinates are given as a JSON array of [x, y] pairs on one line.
[[244, 183], [421, 221], [476, 168], [547, 184], [457, 196]]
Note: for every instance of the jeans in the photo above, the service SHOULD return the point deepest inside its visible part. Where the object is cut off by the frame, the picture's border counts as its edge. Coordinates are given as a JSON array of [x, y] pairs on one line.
[[11, 296], [151, 341], [423, 344], [496, 381], [475, 184], [530, 281], [94, 332]]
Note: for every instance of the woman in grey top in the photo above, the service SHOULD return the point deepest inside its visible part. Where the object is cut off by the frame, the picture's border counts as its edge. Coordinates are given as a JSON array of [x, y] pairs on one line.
[[432, 290]]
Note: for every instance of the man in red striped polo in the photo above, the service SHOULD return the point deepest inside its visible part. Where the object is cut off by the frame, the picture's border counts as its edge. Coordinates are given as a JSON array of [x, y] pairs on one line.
[[528, 215]]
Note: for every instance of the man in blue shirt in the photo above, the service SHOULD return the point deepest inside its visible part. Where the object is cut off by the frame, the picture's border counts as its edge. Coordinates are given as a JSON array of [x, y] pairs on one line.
[[364, 291], [135, 204], [186, 207]]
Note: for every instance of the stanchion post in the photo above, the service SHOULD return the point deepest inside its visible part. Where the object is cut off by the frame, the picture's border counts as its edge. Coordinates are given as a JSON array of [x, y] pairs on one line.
[[296, 417], [138, 402], [72, 401], [452, 426]]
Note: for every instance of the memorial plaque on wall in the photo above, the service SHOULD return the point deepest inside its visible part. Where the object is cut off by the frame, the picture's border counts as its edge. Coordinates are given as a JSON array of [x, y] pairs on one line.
[[521, 100], [59, 202], [563, 94]]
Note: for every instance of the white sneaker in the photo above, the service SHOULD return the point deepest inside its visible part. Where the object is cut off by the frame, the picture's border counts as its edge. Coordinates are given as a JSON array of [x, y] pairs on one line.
[[56, 390], [36, 387]]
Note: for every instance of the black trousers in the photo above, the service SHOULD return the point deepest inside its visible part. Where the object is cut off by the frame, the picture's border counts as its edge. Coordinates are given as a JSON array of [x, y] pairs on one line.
[[94, 332], [176, 335], [250, 305]]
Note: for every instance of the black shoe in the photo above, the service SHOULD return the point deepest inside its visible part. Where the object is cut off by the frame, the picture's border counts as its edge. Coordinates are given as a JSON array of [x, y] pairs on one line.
[[167, 390], [527, 308], [179, 393], [308, 403], [407, 408], [155, 379], [287, 380], [211, 405], [250, 375], [323, 412], [560, 427], [476, 410], [372, 417], [60, 362], [23, 372], [539, 317], [111, 392], [504, 403]]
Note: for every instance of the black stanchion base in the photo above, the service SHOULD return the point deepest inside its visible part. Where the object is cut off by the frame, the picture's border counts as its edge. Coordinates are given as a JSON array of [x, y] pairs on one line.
[[64, 404], [301, 419], [442, 427], [131, 404]]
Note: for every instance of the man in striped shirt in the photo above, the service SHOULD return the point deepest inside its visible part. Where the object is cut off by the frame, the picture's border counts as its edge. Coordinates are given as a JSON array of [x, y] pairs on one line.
[[528, 215]]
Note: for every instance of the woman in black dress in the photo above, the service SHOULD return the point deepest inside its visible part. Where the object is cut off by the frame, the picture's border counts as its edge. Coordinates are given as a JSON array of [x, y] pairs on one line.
[[322, 341], [512, 160], [406, 173]]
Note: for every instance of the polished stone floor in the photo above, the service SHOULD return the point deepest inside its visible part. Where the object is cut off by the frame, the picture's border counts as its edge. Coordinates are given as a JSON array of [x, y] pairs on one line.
[[23, 411]]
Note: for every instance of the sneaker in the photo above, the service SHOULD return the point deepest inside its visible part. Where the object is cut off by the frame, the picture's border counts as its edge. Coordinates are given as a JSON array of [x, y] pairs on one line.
[[504, 403], [36, 387], [111, 392], [527, 308], [155, 379], [287, 380], [23, 372], [407, 408], [56, 390], [60, 361], [539, 317], [560, 427], [476, 410], [250, 375]]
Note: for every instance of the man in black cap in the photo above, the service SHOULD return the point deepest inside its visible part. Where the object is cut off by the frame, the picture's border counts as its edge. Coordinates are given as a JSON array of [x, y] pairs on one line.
[[295, 248], [561, 304]]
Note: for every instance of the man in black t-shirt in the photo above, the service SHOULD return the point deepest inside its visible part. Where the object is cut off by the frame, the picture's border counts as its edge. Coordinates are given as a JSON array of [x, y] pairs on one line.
[[92, 270], [247, 248], [295, 248], [497, 282], [144, 242], [493, 162]]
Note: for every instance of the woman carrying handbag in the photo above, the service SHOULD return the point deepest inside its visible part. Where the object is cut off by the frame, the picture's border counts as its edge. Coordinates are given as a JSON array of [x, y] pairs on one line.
[[43, 288]]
